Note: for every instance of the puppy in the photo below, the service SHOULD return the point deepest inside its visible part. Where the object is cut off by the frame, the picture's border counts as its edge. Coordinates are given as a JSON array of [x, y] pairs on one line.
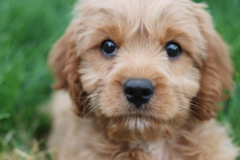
[[140, 80]]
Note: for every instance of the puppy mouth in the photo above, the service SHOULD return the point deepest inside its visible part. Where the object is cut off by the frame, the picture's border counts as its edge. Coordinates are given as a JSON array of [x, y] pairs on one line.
[[139, 117]]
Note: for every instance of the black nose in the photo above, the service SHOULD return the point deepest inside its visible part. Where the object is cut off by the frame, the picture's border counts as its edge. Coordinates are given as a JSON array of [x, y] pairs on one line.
[[138, 91]]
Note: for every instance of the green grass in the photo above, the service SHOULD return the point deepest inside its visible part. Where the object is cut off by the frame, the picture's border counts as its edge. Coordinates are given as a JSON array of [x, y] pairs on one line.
[[28, 28]]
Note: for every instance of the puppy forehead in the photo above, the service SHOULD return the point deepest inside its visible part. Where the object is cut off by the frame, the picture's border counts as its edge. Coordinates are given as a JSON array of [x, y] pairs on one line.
[[135, 10], [133, 17]]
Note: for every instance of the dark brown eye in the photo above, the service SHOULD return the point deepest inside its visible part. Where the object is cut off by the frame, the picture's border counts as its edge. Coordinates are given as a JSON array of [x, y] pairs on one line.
[[173, 50], [108, 48]]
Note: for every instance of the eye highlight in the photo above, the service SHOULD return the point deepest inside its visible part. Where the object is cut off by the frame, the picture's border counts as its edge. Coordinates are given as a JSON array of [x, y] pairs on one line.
[[108, 48], [173, 50]]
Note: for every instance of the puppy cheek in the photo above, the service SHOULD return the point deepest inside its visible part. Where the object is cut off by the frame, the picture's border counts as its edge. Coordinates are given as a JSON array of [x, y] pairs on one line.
[[112, 100], [175, 99], [164, 103], [190, 84], [187, 89], [89, 78], [94, 70]]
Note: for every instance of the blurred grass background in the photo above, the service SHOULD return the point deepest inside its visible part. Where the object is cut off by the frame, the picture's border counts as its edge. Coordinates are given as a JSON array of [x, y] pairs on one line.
[[28, 29]]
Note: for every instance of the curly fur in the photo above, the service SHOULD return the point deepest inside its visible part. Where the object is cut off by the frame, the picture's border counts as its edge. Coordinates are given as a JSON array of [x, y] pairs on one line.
[[178, 121]]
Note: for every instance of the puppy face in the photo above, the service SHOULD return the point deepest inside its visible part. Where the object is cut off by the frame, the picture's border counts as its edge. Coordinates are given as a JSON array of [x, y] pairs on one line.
[[141, 69]]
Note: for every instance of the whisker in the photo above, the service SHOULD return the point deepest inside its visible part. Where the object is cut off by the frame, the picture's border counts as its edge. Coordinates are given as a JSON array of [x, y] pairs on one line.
[[197, 114], [197, 106]]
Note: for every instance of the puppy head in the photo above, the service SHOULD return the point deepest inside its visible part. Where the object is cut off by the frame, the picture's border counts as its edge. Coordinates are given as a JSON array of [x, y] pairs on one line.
[[141, 69]]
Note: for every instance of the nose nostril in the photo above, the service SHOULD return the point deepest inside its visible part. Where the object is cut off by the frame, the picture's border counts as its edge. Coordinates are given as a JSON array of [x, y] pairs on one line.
[[129, 91], [147, 93]]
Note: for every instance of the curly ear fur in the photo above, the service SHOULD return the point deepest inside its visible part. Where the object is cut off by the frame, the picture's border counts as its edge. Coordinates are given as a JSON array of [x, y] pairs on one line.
[[216, 71], [57, 62], [64, 64], [58, 57]]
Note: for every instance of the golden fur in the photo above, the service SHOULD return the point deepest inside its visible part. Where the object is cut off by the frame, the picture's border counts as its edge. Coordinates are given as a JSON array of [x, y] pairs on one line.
[[177, 122]]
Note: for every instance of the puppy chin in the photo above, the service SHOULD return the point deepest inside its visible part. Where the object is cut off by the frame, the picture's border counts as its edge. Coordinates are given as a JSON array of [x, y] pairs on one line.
[[137, 128]]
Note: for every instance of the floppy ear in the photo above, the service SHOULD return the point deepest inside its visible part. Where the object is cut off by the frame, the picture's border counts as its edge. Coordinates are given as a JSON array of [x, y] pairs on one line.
[[216, 71], [64, 64], [57, 61]]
